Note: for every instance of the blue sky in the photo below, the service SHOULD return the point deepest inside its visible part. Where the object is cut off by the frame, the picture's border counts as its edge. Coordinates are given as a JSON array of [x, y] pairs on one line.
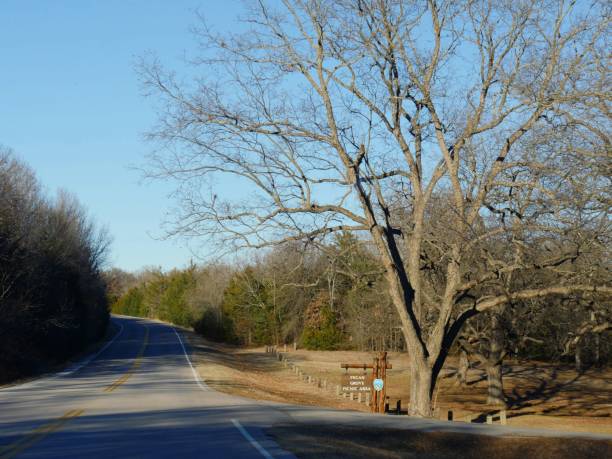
[[71, 106]]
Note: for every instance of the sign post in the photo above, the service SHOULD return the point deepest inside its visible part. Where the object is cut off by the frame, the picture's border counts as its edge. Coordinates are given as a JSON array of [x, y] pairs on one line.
[[374, 384]]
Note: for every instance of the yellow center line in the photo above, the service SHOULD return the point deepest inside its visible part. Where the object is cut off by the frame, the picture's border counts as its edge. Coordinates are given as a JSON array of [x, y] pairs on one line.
[[31, 438], [134, 366], [37, 435]]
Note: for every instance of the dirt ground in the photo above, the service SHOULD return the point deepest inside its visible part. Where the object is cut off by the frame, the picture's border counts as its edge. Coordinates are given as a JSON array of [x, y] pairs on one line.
[[540, 395]]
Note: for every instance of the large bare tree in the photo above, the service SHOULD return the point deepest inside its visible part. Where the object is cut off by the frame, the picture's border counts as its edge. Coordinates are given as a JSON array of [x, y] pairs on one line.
[[356, 115]]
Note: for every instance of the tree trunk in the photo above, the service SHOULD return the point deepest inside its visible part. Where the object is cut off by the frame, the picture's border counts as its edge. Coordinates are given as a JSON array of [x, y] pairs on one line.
[[495, 395], [462, 370], [421, 390], [494, 362], [578, 356]]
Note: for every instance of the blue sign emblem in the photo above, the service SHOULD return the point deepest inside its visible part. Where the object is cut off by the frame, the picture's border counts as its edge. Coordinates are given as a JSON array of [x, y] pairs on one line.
[[378, 384]]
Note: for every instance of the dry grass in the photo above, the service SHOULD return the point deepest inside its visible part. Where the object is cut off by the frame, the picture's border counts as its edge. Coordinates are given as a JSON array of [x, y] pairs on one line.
[[253, 374], [541, 395]]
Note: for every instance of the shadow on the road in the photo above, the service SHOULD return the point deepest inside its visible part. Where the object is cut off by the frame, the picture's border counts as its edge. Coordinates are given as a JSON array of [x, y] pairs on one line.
[[313, 441], [196, 432], [161, 353]]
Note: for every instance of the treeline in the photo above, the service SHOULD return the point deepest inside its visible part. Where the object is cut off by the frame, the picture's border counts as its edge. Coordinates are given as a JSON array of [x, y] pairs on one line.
[[332, 297], [52, 295], [335, 297]]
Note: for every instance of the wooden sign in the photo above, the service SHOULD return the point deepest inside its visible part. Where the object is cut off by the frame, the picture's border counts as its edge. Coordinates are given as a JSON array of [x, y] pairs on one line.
[[364, 382], [356, 382]]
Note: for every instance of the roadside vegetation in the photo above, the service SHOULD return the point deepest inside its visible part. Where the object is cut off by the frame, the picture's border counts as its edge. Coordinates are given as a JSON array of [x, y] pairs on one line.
[[52, 295]]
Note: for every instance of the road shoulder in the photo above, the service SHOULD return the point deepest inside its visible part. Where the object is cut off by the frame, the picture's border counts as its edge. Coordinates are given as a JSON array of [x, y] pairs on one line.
[[73, 363]]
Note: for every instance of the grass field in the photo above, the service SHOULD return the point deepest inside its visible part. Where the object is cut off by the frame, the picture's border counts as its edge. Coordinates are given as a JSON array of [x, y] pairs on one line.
[[539, 394]]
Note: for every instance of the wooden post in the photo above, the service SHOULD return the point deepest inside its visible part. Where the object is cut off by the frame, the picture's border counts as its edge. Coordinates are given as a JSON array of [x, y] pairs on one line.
[[383, 375], [375, 400], [375, 395]]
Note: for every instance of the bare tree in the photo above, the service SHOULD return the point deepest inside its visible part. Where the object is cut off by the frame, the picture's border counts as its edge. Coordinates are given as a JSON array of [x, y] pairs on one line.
[[323, 113], [52, 295]]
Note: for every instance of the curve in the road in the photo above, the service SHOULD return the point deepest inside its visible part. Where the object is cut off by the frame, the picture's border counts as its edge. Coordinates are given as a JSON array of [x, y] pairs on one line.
[[134, 398]]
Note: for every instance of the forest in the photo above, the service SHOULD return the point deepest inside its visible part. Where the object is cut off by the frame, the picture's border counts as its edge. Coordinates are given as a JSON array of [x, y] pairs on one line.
[[334, 297], [53, 301]]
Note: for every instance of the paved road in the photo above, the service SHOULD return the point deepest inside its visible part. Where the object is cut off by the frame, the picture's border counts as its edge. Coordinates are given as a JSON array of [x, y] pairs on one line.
[[140, 398], [137, 398]]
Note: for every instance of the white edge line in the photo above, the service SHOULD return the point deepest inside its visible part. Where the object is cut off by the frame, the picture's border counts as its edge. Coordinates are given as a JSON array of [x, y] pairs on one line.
[[89, 359], [195, 373], [237, 424], [251, 440], [69, 371]]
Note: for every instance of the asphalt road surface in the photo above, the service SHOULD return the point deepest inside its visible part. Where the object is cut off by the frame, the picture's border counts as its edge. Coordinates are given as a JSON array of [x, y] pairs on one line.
[[139, 397]]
